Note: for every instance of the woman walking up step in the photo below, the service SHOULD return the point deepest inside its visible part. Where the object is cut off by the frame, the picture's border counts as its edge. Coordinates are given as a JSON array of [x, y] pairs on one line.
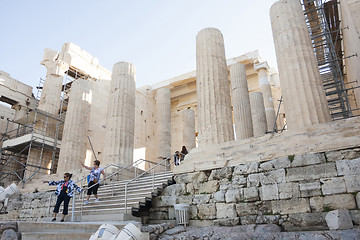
[[94, 180]]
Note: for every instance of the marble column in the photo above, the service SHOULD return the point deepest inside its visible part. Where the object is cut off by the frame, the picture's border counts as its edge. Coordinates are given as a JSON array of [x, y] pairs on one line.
[[265, 88], [241, 102], [119, 138], [163, 123], [258, 113], [304, 97], [213, 91], [188, 116], [76, 126], [50, 95]]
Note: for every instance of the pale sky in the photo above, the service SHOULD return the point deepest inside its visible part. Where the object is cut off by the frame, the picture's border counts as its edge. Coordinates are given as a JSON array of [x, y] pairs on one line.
[[157, 36]]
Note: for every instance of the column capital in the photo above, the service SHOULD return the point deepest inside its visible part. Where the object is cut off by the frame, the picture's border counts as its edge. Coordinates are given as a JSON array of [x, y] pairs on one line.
[[262, 65], [57, 67]]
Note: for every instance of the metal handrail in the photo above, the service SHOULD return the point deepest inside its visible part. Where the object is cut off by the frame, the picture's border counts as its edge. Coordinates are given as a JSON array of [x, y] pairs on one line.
[[136, 163], [153, 178]]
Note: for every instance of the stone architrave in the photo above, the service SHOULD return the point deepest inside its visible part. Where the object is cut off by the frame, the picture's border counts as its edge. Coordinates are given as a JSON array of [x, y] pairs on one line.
[[76, 126], [188, 116], [265, 88], [51, 93], [213, 90], [301, 86], [258, 113], [119, 137], [163, 122], [241, 102], [20, 111]]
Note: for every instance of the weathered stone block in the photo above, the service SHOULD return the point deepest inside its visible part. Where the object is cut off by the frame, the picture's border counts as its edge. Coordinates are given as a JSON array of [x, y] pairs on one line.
[[333, 185], [219, 196], [183, 200], [275, 164], [352, 183], [268, 219], [355, 216], [190, 188], [310, 189], [253, 180], [272, 177], [311, 172], [218, 174], [234, 195], [227, 221], [238, 181], [269, 192], [201, 198], [244, 169], [245, 209], [339, 219], [357, 198], [225, 187], [187, 177], [173, 190], [207, 211], [288, 190], [9, 234], [224, 210], [251, 194], [328, 203], [193, 212], [308, 159], [164, 201], [246, 220], [305, 221], [159, 215], [209, 187], [334, 156], [348, 167], [300, 205]]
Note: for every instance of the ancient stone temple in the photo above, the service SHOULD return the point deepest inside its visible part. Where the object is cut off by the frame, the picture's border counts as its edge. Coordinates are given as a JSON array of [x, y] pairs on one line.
[[263, 146]]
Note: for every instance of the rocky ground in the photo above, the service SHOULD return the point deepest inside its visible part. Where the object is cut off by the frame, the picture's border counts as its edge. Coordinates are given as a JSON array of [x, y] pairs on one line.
[[248, 232]]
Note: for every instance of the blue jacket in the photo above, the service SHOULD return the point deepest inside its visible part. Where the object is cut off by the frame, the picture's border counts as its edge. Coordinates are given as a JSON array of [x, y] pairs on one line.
[[71, 187]]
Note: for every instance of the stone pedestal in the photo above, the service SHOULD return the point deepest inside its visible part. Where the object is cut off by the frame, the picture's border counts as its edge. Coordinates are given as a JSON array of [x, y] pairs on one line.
[[163, 123], [119, 138], [188, 116], [302, 89], [265, 88], [76, 126], [50, 95], [241, 102], [258, 114], [213, 90]]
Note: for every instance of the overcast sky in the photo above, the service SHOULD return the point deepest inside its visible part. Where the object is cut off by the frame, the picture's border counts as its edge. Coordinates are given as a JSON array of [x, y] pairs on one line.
[[157, 36]]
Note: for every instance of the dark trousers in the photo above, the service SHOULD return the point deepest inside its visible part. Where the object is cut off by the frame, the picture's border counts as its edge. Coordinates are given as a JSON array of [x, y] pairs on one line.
[[62, 197], [92, 190]]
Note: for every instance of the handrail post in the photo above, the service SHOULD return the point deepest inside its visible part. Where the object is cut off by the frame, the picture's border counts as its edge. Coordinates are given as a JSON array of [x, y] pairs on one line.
[[125, 195], [73, 207], [153, 180]]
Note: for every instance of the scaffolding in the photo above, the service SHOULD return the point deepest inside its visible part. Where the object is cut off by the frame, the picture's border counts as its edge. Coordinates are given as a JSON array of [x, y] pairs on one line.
[[322, 19], [33, 146]]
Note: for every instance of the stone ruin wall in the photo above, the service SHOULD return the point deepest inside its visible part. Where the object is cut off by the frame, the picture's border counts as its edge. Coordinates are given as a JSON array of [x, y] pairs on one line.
[[295, 192]]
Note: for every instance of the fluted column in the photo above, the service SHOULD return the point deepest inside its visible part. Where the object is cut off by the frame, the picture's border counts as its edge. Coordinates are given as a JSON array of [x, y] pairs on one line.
[[163, 123], [50, 95], [241, 102], [258, 113], [213, 90], [188, 116], [119, 138], [265, 88], [76, 126], [301, 86]]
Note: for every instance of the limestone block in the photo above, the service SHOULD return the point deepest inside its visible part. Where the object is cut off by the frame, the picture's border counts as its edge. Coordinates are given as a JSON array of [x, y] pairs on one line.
[[224, 210], [226, 186], [351, 153], [339, 219], [184, 199], [355, 216], [9, 234], [247, 220], [171, 212], [164, 201], [251, 167], [221, 173], [268, 219], [308, 221], [187, 177], [251, 194], [333, 185], [227, 222], [201, 199], [253, 180], [193, 212], [348, 167], [272, 177], [209, 187], [173, 190], [50, 55], [275, 164], [288, 190], [352, 183], [202, 177], [326, 203], [348, 154], [245, 209], [296, 205], [308, 159], [238, 181], [233, 196], [190, 188], [158, 215], [333, 156], [310, 189], [311, 172], [219, 196], [269, 192], [207, 211], [358, 200]]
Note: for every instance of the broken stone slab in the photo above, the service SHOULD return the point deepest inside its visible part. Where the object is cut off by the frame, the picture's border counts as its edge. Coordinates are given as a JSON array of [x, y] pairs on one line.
[[339, 220]]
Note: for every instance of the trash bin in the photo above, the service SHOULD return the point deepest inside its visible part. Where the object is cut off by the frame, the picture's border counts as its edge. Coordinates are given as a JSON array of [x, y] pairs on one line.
[[182, 214]]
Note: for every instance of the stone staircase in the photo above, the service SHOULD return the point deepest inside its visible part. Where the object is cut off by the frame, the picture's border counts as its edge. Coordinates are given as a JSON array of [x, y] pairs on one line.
[[111, 206]]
